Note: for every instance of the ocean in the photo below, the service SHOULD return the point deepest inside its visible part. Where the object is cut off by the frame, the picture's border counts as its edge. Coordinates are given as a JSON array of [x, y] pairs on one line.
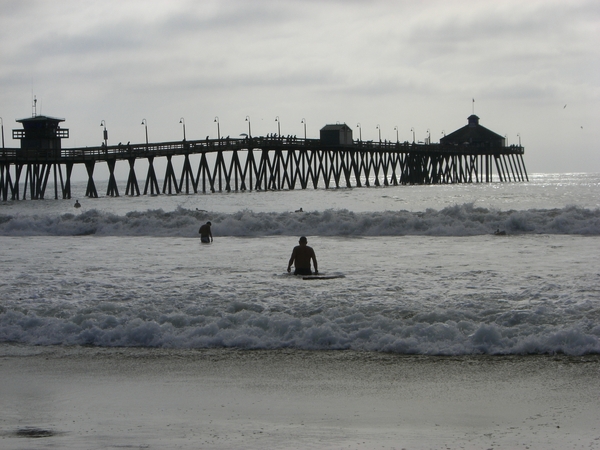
[[423, 272]]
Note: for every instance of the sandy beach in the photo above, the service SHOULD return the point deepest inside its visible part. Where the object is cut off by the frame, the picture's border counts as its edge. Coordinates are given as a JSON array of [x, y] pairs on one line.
[[92, 398]]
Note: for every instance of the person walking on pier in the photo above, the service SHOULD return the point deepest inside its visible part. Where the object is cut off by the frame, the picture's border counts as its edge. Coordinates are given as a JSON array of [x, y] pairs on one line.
[[301, 257], [205, 233]]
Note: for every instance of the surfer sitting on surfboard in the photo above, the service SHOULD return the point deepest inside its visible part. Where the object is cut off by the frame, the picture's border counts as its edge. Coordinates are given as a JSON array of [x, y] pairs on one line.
[[301, 257]]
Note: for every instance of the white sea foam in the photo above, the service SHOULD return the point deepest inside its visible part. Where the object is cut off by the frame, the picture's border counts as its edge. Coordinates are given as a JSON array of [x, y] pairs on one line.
[[252, 326], [424, 274], [414, 295], [458, 220]]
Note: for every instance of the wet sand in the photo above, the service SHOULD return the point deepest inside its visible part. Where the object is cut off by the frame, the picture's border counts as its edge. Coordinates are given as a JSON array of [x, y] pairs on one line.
[[91, 398]]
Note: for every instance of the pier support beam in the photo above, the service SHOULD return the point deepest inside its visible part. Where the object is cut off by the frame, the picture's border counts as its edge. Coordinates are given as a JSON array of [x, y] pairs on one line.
[[91, 187], [170, 179], [6, 183], [132, 183], [187, 175], [67, 185], [112, 189], [151, 178], [520, 158]]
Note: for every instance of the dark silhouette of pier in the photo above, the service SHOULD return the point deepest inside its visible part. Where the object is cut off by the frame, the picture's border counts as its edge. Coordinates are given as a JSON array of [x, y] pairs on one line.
[[257, 163]]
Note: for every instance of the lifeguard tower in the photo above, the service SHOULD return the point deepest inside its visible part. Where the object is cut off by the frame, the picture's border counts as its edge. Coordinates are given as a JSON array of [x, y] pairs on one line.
[[41, 136]]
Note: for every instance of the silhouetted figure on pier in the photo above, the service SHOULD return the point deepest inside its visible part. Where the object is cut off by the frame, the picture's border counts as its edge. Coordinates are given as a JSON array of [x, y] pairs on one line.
[[205, 233], [301, 258], [77, 204]]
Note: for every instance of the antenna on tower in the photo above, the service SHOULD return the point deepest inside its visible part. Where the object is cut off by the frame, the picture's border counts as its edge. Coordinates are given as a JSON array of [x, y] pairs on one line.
[[34, 107], [473, 107]]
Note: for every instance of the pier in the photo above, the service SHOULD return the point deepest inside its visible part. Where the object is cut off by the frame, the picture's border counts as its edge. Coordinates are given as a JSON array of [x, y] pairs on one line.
[[255, 163]]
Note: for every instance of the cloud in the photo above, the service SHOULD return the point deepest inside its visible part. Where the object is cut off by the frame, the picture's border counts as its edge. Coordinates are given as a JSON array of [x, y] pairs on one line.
[[374, 62]]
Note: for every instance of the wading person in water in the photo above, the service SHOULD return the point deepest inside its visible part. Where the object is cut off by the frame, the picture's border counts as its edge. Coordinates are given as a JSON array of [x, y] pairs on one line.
[[301, 257], [205, 233]]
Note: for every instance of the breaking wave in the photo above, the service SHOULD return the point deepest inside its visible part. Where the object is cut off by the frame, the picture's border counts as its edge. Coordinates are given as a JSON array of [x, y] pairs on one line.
[[253, 326], [458, 220]]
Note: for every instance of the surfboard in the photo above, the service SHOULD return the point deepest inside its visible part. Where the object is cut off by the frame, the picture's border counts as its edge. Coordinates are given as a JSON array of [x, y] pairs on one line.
[[323, 277]]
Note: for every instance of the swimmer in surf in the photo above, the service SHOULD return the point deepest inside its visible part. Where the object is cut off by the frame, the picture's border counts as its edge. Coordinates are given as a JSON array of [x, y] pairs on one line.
[[205, 233], [301, 257], [77, 204]]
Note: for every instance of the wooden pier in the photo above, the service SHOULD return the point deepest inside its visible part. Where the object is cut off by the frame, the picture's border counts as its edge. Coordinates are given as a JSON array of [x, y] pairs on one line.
[[258, 163]]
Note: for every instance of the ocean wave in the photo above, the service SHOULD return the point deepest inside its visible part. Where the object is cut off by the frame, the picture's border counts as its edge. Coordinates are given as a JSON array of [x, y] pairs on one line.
[[458, 220], [252, 326]]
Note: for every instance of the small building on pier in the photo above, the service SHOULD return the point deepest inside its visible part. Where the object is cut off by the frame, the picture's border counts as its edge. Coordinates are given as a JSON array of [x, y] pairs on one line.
[[474, 134], [41, 135], [338, 134]]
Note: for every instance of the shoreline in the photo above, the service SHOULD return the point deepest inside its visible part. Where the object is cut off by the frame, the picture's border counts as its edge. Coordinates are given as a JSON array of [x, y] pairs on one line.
[[90, 397]]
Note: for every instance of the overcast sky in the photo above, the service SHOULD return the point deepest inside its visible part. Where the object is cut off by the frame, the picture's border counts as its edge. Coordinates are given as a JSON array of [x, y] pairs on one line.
[[533, 68]]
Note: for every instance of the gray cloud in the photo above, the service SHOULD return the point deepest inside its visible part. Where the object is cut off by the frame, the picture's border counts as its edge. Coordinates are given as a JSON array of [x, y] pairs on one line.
[[378, 61]]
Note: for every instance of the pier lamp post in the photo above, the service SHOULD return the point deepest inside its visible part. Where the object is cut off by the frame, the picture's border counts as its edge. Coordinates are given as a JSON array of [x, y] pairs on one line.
[[413, 132], [218, 127], [397, 137], [145, 123], [359, 131], [105, 133], [182, 121], [2, 125], [428, 137], [443, 133], [519, 135], [379, 128], [304, 122], [249, 130], [278, 126]]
